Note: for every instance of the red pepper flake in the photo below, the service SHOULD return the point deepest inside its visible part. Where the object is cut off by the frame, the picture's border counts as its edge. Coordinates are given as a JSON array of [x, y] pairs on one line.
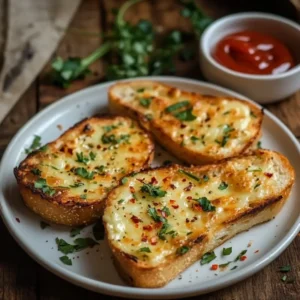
[[197, 207], [256, 251], [184, 180], [189, 187], [132, 200], [144, 238], [175, 206], [165, 179], [155, 203], [268, 174], [153, 240], [147, 227], [187, 220], [132, 190], [135, 219], [153, 180], [172, 201], [214, 267], [18, 220], [157, 224], [189, 197], [244, 257], [172, 186]]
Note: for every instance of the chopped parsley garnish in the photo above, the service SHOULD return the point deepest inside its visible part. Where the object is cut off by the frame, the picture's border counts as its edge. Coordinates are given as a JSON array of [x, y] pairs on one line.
[[82, 243], [189, 175], [81, 158], [205, 178], [254, 169], [223, 186], [205, 204], [252, 114], [36, 143], [83, 196], [149, 117], [182, 250], [110, 128], [42, 184], [177, 106], [284, 269], [121, 201], [194, 139], [82, 172], [240, 255], [227, 129], [227, 251], [64, 247], [124, 180], [152, 212], [185, 115], [166, 211], [225, 265], [77, 184], [145, 249], [112, 139], [43, 148], [66, 260], [163, 231], [256, 186], [100, 169], [92, 155], [74, 232], [44, 224], [36, 172], [258, 145], [145, 102], [207, 258], [226, 112], [98, 230], [140, 90], [233, 268], [153, 190]]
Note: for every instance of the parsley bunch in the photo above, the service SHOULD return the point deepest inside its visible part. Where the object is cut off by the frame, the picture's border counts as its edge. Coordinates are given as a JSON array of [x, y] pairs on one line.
[[132, 49]]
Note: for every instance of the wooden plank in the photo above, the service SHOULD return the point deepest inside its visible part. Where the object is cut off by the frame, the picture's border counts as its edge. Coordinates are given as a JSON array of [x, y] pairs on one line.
[[19, 115], [82, 38]]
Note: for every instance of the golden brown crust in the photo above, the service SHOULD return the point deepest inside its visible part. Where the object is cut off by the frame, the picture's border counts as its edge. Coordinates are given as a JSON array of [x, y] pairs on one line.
[[62, 207], [158, 126]]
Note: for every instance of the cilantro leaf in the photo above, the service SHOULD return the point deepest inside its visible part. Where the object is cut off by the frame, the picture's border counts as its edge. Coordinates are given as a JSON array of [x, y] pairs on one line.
[[153, 190], [74, 232], [145, 249], [81, 158], [227, 251], [152, 212], [82, 172], [240, 255], [207, 257], [66, 260], [36, 172], [205, 204], [182, 250], [145, 102], [223, 186], [286, 268], [177, 106], [189, 175], [185, 115], [42, 184], [36, 143]]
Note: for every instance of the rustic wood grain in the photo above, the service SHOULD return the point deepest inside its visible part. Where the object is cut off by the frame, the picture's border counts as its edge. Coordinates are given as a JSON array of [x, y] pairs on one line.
[[20, 276]]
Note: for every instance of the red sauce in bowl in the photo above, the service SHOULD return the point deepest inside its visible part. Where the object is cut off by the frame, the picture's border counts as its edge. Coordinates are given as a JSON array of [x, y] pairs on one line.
[[253, 53]]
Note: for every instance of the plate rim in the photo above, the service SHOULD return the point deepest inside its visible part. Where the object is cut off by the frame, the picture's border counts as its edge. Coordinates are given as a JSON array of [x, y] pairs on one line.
[[127, 291]]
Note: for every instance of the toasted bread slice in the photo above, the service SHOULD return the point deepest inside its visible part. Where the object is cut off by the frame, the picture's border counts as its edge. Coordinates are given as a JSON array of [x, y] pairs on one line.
[[197, 129], [163, 220], [66, 181]]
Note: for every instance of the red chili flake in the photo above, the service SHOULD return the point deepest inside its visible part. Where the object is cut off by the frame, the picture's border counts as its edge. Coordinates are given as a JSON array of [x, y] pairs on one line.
[[175, 206], [244, 257], [132, 190], [184, 180], [189, 187], [132, 200], [172, 186], [155, 203], [189, 197], [147, 227], [153, 240], [144, 238], [18, 220], [157, 224], [154, 180], [187, 220], [182, 125], [172, 201], [268, 174], [135, 219], [165, 179], [256, 251], [136, 225], [214, 267], [197, 207]]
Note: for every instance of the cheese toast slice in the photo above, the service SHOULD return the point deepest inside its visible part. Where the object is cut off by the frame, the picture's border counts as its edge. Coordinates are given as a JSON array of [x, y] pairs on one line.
[[197, 129], [161, 221], [67, 180]]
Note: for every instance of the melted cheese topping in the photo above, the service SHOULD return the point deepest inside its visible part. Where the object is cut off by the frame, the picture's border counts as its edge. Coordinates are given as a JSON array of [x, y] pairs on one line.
[[220, 124], [232, 188], [88, 161]]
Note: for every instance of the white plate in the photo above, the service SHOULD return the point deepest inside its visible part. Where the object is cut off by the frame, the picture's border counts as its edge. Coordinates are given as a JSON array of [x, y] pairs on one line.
[[95, 270]]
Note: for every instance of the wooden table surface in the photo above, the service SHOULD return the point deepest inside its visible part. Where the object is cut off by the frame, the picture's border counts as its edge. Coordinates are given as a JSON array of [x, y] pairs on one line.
[[20, 276]]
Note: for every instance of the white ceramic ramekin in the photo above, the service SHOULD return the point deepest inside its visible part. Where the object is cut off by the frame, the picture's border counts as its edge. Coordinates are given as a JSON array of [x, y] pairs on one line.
[[261, 88]]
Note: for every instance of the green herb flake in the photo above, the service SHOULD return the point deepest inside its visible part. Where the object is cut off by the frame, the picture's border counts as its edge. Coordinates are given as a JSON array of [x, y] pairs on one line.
[[205, 204], [43, 148], [100, 169], [74, 232], [124, 180], [64, 247], [256, 186], [145, 249], [163, 231], [82, 243], [252, 114], [92, 155], [205, 178], [82, 172], [185, 115], [66, 260], [141, 90], [226, 112], [152, 212], [284, 278], [166, 210], [121, 201], [227, 251], [233, 268], [98, 231], [145, 102], [44, 225], [83, 196], [109, 128], [189, 175], [81, 158], [207, 258], [36, 172], [154, 191], [225, 265], [258, 145], [177, 106], [36, 143], [286, 268], [223, 186], [182, 250], [76, 185], [254, 169], [240, 255], [42, 184], [194, 139]]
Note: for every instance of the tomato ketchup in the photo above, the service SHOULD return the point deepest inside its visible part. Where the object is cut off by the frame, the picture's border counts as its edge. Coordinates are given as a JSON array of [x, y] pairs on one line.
[[253, 53]]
